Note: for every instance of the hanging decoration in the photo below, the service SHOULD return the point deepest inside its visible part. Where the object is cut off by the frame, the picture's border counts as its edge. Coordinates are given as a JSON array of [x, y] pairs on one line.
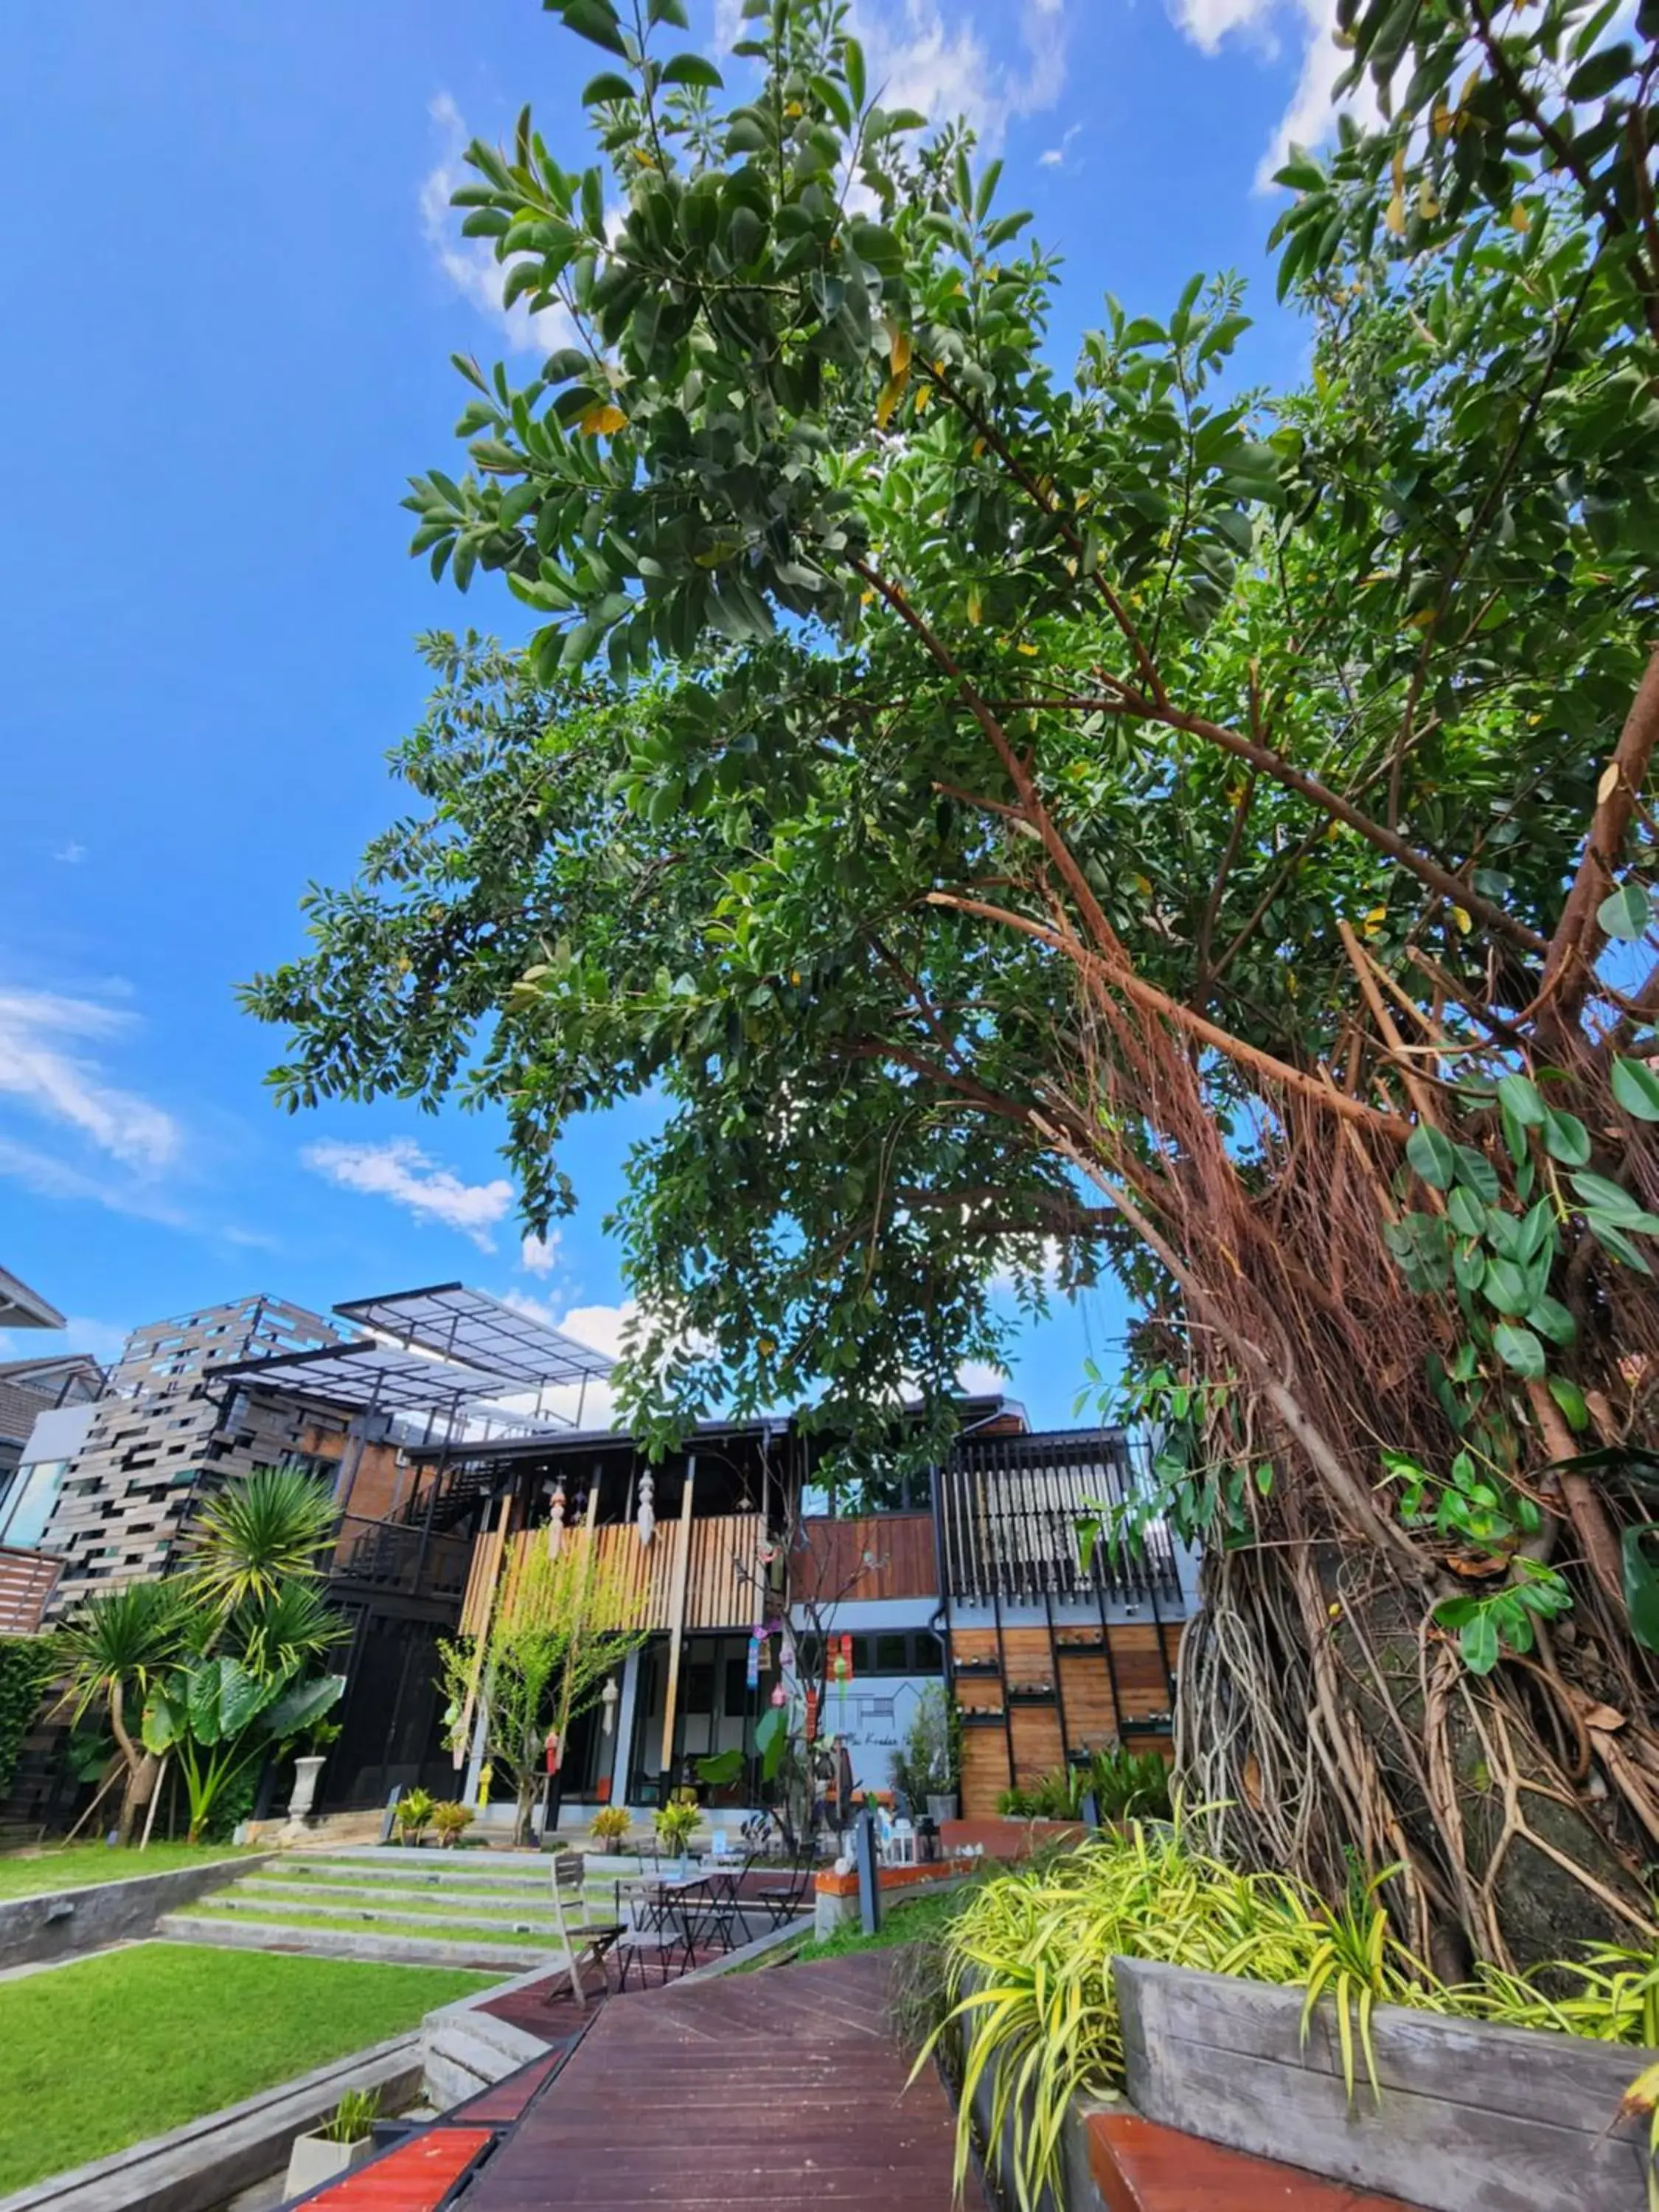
[[555, 1523], [751, 1671], [780, 1695], [842, 1667], [812, 1717], [646, 1518], [608, 1697]]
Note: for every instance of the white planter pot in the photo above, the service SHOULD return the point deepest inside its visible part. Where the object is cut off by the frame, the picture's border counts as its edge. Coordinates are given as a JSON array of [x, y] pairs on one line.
[[305, 1771], [315, 2160]]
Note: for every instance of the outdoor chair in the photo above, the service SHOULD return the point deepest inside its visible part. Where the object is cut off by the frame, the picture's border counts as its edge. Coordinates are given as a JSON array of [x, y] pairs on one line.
[[649, 1936], [594, 1942], [781, 1900]]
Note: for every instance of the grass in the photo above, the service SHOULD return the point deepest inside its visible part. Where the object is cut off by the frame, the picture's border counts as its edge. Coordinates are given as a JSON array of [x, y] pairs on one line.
[[918, 1920], [111, 2049], [75, 1866]]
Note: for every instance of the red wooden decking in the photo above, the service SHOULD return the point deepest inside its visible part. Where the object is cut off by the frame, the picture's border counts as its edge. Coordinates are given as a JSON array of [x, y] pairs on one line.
[[1141, 2167], [414, 2177], [755, 2093]]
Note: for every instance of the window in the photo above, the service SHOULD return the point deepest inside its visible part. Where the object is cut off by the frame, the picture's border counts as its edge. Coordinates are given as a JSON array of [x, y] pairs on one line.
[[27, 1505]]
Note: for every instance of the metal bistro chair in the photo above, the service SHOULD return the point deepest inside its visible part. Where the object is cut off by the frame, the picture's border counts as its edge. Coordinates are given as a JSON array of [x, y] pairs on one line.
[[662, 1928], [781, 1900]]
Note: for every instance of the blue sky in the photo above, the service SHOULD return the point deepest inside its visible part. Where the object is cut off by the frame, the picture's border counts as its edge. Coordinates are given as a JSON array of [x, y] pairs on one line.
[[234, 287]]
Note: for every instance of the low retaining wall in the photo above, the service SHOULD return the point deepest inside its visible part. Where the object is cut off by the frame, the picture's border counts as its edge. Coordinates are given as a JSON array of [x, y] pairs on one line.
[[67, 1922]]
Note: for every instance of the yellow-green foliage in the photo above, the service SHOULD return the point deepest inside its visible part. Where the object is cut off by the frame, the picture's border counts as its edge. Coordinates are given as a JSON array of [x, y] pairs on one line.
[[1031, 2008]]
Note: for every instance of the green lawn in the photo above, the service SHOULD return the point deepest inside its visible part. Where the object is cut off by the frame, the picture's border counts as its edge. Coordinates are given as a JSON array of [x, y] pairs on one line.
[[28, 1874], [912, 1921], [111, 2049], [434, 1926]]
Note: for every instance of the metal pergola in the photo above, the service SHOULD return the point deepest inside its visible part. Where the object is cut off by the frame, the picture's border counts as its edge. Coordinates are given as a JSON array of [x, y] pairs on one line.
[[480, 1331], [371, 1378]]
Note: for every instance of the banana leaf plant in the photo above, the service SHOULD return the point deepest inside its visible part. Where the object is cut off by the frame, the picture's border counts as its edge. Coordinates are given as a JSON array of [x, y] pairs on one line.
[[217, 1718]]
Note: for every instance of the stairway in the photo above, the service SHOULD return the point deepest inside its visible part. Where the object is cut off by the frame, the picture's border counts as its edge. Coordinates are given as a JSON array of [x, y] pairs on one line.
[[440, 1908]]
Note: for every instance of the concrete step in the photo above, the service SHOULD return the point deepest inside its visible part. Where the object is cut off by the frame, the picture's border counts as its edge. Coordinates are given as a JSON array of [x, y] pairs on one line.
[[237, 1935], [272, 1901], [415, 1870]]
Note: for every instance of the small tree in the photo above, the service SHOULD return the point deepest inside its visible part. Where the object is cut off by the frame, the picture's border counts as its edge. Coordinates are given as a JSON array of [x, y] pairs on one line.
[[562, 1622], [116, 1645]]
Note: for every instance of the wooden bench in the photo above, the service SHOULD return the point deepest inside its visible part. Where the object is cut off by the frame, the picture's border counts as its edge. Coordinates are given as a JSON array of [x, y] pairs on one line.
[[1139, 2166]]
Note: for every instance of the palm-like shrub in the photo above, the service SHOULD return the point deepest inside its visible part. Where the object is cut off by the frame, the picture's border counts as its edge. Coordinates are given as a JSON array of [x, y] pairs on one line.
[[267, 1529], [117, 1646]]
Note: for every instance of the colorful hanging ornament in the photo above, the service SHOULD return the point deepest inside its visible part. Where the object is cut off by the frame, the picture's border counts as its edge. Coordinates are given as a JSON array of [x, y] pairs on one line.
[[812, 1717], [751, 1671], [780, 1695]]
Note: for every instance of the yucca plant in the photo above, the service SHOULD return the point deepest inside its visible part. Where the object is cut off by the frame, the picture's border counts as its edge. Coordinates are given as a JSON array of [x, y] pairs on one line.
[[263, 1530], [117, 1646]]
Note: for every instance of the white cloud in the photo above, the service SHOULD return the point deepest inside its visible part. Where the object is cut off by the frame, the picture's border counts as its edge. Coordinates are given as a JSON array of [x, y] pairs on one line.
[[398, 1169], [931, 55], [981, 1379], [600, 1328], [102, 1340], [1310, 119], [72, 854], [469, 264], [40, 1066], [539, 1255], [1054, 157]]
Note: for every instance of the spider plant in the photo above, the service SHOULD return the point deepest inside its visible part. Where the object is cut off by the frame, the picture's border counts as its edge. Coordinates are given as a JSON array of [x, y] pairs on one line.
[[1356, 1962]]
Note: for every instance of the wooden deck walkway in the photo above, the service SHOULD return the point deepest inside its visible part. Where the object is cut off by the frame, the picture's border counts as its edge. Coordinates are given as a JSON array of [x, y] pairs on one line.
[[757, 2093]]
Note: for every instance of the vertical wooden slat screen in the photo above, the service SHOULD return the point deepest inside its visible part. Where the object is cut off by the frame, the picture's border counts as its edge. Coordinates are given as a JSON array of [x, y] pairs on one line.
[[722, 1577]]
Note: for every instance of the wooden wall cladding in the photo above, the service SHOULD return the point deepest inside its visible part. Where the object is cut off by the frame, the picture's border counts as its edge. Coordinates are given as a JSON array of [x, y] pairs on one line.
[[886, 1555], [721, 1567], [1142, 1654], [984, 1772]]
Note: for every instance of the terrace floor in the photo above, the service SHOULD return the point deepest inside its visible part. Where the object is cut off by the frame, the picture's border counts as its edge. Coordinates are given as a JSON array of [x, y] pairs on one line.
[[777, 2092]]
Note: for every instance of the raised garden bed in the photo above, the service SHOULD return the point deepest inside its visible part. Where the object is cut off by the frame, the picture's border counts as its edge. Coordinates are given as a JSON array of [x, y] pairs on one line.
[[1467, 2116]]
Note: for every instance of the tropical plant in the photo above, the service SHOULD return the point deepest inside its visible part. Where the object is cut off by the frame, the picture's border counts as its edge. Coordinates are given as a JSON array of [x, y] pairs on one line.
[[609, 1825], [414, 1815], [1125, 1784], [676, 1823], [924, 1764], [1106, 817], [257, 1537], [116, 1645], [451, 1821], [217, 1718], [562, 1622], [353, 2119], [27, 1665]]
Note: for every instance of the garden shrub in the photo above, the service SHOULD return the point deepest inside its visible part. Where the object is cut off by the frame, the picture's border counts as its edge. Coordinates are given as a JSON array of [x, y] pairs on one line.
[[26, 1665]]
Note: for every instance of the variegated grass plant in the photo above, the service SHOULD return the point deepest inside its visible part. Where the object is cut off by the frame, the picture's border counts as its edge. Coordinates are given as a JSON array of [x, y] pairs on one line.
[[1027, 2005]]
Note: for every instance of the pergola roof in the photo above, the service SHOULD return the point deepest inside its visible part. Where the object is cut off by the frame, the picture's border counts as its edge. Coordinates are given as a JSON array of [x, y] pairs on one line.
[[372, 1378], [482, 1332], [22, 1308]]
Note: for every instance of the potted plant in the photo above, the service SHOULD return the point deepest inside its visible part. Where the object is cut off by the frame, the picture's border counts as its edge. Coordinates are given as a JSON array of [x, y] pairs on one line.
[[450, 1822], [609, 1825], [345, 2139], [675, 1824], [929, 1757], [414, 1816]]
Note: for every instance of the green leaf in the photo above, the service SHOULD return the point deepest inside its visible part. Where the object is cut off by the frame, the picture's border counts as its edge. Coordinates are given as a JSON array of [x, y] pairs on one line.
[[771, 1733], [1570, 1399], [1432, 1156], [303, 1706], [1635, 1087], [1565, 1138], [1476, 1173], [1477, 1642], [1520, 1095], [852, 62], [1505, 1287], [1611, 1235], [1552, 1319], [596, 21], [1642, 1585], [1609, 1198], [693, 69], [722, 1770], [1624, 913], [1465, 1213], [1520, 1349], [607, 86], [1601, 73]]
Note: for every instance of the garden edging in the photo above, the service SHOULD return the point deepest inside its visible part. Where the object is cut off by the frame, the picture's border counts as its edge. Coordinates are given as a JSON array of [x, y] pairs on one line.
[[62, 1924]]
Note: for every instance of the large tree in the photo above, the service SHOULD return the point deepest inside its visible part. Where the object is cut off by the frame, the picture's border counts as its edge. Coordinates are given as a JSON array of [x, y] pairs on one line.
[[1111, 817]]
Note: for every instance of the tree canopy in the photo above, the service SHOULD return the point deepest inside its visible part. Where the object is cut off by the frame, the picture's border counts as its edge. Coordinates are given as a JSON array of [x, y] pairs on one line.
[[1031, 820]]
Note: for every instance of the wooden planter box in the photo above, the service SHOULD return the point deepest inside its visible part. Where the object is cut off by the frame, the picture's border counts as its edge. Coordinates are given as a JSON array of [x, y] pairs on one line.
[[1472, 2118]]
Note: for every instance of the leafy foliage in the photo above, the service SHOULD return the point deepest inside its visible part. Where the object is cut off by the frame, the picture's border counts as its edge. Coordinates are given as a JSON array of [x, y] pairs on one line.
[[27, 1664], [1108, 817]]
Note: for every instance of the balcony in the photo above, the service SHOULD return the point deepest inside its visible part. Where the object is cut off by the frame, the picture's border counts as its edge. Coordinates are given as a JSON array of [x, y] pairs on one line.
[[28, 1580]]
